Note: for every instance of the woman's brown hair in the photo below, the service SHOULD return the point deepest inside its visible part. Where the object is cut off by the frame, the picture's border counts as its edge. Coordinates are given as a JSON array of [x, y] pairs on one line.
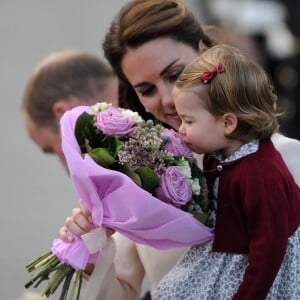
[[141, 21]]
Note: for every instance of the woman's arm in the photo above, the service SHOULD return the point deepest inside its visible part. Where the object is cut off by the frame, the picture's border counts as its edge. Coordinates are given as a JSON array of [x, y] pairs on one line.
[[289, 150], [118, 274]]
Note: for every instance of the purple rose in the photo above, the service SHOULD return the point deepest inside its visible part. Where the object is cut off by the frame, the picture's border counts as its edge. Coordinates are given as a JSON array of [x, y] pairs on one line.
[[113, 122], [174, 187], [175, 144]]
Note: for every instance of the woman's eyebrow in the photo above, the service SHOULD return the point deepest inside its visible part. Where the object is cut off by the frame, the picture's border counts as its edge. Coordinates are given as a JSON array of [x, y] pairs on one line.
[[164, 71], [168, 67], [140, 84]]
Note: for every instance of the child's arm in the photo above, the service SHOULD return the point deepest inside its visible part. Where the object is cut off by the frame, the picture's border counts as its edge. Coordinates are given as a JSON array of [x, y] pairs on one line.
[[266, 205]]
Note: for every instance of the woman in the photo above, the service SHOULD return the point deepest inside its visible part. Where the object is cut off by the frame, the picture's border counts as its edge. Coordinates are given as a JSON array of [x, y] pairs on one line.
[[148, 45]]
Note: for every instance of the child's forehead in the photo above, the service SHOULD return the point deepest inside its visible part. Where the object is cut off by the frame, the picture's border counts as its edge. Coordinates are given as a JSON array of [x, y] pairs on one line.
[[197, 90]]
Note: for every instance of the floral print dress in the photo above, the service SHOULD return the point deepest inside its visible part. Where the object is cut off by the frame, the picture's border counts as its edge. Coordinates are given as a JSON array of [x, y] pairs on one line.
[[206, 275]]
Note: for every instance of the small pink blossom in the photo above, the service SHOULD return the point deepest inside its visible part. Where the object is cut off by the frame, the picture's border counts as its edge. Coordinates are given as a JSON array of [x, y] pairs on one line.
[[113, 122], [174, 187]]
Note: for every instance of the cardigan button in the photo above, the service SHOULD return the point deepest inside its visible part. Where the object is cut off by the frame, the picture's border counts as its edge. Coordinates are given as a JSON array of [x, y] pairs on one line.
[[219, 168]]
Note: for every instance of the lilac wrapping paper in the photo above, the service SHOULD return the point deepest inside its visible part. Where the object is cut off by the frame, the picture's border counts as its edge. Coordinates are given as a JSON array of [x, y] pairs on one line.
[[115, 201]]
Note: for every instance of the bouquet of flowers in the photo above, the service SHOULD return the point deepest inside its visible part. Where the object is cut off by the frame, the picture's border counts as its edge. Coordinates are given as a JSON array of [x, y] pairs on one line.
[[136, 177]]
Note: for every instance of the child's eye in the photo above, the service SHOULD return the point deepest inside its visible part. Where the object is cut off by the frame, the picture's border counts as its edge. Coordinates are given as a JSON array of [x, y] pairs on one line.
[[187, 122]]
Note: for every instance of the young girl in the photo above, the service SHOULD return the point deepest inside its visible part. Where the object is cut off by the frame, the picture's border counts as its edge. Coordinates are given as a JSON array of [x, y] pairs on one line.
[[227, 108]]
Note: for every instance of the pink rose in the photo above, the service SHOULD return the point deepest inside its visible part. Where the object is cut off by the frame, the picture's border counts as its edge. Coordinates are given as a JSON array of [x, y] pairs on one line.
[[175, 144], [113, 122], [174, 187]]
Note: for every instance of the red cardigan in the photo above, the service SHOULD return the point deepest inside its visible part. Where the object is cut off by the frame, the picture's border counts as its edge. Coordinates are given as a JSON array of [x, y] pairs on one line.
[[258, 209]]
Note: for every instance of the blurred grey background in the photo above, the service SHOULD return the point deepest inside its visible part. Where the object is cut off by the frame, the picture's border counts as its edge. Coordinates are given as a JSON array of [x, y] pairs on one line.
[[36, 193]]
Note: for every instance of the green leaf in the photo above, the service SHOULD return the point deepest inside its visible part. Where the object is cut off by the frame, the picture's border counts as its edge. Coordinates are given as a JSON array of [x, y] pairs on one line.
[[196, 171], [150, 180], [87, 133], [118, 145], [200, 216], [127, 170], [113, 144], [103, 157], [81, 128]]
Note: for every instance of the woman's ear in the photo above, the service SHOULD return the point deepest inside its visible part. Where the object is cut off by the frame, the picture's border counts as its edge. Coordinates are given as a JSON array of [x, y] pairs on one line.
[[61, 106], [202, 46], [230, 122]]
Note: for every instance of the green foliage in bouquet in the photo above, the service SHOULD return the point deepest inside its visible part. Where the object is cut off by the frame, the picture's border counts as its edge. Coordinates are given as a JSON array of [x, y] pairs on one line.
[[154, 157], [141, 156], [104, 150]]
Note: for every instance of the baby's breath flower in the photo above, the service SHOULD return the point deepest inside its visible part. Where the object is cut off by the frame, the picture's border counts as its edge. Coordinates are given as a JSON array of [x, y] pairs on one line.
[[134, 115], [143, 148], [185, 167], [196, 188], [100, 106]]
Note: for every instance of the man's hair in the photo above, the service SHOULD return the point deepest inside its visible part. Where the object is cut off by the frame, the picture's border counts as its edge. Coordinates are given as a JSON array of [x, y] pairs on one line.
[[63, 75]]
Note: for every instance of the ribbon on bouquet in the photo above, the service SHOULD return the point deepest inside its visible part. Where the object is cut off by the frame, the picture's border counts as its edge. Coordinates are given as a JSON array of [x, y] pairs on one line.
[[116, 202]]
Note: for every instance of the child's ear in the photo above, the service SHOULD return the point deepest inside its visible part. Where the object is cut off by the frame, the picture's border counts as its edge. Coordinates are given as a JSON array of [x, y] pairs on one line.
[[230, 123], [61, 106]]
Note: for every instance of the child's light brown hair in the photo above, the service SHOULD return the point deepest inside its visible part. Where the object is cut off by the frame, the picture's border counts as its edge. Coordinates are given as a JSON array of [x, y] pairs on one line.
[[243, 89]]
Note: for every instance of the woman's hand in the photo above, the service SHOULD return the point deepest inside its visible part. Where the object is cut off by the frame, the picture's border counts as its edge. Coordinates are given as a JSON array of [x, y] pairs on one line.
[[79, 223]]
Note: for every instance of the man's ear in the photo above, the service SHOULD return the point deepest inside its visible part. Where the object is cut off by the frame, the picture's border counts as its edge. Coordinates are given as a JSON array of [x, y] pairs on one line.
[[230, 122], [61, 106]]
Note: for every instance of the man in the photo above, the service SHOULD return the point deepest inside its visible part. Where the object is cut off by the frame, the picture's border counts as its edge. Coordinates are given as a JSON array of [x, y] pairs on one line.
[[60, 82]]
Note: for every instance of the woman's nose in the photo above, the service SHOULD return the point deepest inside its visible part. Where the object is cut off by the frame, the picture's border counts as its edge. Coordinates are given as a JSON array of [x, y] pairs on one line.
[[166, 96]]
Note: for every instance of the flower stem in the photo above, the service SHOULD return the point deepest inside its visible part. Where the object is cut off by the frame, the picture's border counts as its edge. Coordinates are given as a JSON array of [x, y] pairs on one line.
[[76, 285], [66, 269], [45, 261], [44, 273], [79, 285], [30, 266], [66, 285]]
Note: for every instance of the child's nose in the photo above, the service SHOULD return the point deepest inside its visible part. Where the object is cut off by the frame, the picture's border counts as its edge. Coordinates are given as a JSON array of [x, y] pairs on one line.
[[181, 129]]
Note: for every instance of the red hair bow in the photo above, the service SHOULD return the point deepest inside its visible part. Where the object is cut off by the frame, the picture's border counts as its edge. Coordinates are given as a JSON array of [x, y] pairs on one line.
[[209, 75]]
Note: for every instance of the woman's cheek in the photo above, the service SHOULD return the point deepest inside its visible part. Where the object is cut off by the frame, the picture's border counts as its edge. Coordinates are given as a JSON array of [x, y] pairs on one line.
[[151, 108]]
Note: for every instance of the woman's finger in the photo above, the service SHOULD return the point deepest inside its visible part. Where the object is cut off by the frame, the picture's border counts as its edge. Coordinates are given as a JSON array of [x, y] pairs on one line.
[[77, 224], [63, 235], [84, 211]]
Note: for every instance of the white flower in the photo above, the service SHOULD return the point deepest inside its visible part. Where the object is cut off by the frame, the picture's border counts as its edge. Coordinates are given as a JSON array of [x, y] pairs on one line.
[[185, 167], [134, 115], [100, 106], [196, 188]]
